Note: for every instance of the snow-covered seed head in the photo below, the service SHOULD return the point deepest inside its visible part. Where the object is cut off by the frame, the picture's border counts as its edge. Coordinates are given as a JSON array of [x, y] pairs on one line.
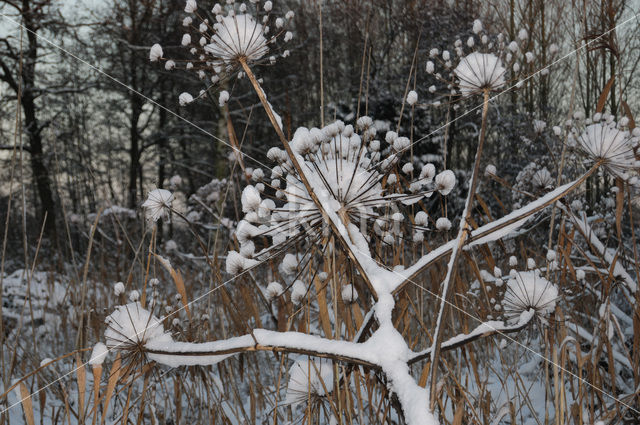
[[118, 288], [155, 53], [529, 291], [477, 26], [130, 327], [539, 126], [542, 179], [445, 181], [352, 177], [223, 98], [237, 37], [421, 219], [443, 224], [349, 294], [191, 6], [412, 98], [490, 170], [185, 99], [237, 263], [309, 382], [290, 264], [250, 199], [220, 46], [134, 295], [158, 204], [298, 292], [478, 72], [274, 290], [611, 147]]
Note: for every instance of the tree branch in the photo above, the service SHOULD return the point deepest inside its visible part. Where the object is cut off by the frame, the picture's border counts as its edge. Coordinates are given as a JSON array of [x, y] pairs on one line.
[[174, 353], [484, 330]]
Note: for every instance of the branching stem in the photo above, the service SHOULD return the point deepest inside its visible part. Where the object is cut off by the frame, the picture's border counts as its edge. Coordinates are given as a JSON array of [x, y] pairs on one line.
[[303, 178]]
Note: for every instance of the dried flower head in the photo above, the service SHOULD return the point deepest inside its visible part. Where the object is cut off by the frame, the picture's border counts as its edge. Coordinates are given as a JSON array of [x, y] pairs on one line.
[[528, 290], [129, 328], [220, 41], [542, 179], [611, 146], [353, 175], [310, 381], [158, 204], [237, 37], [131, 324], [478, 72], [488, 63]]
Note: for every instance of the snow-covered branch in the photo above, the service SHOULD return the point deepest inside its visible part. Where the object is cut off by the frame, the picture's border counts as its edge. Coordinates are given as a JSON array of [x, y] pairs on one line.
[[483, 330], [173, 353]]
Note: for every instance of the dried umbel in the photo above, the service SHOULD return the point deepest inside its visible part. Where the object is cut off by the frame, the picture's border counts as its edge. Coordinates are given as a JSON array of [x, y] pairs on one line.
[[158, 204], [483, 63], [130, 328], [354, 175], [221, 39], [131, 324], [310, 381], [528, 290], [478, 72], [605, 143]]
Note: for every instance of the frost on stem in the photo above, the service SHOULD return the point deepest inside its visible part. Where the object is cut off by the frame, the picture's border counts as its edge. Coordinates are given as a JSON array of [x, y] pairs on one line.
[[158, 204], [528, 290]]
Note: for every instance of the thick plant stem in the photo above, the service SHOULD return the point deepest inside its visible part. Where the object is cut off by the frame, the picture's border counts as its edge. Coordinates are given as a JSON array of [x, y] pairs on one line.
[[463, 233], [480, 234], [339, 235]]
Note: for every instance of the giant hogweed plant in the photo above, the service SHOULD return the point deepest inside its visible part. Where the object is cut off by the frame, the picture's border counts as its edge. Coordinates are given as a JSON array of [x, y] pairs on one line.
[[339, 207]]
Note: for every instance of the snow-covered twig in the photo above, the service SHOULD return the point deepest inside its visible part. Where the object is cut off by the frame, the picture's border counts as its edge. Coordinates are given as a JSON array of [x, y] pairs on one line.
[[173, 353], [612, 260], [483, 330]]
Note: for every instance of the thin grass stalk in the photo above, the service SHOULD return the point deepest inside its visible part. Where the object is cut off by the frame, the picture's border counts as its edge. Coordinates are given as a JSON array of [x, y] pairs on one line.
[[462, 237]]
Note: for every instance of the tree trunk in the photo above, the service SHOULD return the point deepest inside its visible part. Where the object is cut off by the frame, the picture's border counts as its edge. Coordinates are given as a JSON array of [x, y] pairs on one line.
[[134, 152], [39, 168], [38, 164]]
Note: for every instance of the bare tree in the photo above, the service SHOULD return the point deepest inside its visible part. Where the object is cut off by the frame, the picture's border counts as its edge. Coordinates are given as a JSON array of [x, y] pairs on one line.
[[19, 56]]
